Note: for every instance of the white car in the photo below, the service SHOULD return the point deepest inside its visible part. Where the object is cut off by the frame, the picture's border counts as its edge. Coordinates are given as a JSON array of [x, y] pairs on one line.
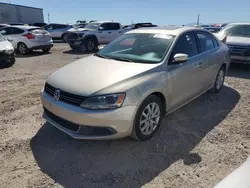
[[28, 38], [7, 54], [238, 178], [94, 34]]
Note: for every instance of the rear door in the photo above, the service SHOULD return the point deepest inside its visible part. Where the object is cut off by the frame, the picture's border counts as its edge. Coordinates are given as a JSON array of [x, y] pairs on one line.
[[211, 57], [184, 79]]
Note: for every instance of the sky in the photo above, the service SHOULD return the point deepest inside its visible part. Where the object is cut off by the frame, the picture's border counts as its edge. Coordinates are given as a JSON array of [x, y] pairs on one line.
[[160, 12]]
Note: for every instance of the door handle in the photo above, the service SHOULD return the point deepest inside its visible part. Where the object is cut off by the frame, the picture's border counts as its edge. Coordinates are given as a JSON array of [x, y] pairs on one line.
[[199, 65], [99, 32], [120, 32], [109, 32]]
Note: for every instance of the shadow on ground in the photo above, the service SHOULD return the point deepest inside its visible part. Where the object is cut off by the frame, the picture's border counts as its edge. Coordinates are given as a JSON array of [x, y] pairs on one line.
[[239, 71], [77, 52], [125, 162], [32, 54]]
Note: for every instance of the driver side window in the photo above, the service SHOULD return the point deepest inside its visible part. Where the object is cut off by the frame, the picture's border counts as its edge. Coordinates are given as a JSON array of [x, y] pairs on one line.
[[186, 44]]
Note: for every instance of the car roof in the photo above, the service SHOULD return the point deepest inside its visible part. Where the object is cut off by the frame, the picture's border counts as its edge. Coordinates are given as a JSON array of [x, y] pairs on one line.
[[104, 21], [169, 30], [24, 27], [239, 23]]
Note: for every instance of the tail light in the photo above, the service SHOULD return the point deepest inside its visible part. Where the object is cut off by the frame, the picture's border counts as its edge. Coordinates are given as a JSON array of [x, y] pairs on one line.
[[29, 36]]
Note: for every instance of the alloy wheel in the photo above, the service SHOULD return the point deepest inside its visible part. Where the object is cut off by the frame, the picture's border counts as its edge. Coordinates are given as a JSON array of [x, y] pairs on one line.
[[150, 118]]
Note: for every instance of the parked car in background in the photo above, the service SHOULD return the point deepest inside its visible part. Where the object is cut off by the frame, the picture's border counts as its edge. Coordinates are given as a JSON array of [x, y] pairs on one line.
[[39, 24], [138, 25], [7, 53], [212, 29], [27, 38], [57, 30], [15, 23], [237, 36], [3, 25], [128, 86], [93, 34]]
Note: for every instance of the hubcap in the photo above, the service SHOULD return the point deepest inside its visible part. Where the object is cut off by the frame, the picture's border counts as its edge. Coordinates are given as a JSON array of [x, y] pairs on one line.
[[22, 48], [220, 79], [150, 118], [91, 45]]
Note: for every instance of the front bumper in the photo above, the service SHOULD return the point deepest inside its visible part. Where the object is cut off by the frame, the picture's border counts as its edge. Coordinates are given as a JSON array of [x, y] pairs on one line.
[[7, 60], [105, 124], [240, 59], [42, 47]]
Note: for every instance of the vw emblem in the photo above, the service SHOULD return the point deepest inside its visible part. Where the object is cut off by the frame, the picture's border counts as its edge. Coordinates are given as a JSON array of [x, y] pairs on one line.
[[57, 95]]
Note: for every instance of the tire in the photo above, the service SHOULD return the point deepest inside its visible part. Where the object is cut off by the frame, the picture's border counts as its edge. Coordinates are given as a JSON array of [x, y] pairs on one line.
[[90, 45], [64, 38], [219, 80], [22, 48], [143, 128], [73, 47], [46, 50]]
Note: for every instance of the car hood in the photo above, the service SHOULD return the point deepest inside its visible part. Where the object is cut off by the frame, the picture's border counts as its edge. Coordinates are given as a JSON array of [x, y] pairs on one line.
[[79, 29], [243, 41], [92, 74], [238, 178], [4, 45]]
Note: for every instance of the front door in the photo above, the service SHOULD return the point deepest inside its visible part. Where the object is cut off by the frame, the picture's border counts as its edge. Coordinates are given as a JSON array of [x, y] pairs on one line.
[[184, 78]]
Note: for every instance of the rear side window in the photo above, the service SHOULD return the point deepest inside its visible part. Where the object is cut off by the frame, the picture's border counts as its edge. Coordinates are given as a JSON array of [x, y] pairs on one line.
[[114, 26], [11, 31], [186, 45], [206, 41]]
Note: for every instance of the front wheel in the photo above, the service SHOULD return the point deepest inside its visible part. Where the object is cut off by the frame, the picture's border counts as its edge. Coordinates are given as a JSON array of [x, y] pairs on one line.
[[46, 50], [148, 118], [90, 45], [219, 80]]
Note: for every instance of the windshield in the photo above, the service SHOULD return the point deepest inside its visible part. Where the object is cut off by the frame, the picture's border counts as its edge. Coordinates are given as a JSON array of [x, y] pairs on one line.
[[236, 30], [93, 25], [139, 47], [2, 38]]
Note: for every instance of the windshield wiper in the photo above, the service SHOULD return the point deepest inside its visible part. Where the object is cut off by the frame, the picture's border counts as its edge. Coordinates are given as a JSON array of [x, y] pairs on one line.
[[102, 56], [121, 59]]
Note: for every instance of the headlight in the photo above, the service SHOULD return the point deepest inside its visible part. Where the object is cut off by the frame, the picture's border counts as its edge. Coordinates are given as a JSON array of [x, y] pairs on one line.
[[104, 102], [9, 50]]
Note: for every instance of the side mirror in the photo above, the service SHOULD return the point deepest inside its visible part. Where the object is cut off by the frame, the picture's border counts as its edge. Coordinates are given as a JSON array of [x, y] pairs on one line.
[[9, 39], [100, 28], [179, 58]]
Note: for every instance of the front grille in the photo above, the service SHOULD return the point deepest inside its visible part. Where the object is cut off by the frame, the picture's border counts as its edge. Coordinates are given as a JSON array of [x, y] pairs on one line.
[[72, 36], [239, 50], [65, 96], [64, 123]]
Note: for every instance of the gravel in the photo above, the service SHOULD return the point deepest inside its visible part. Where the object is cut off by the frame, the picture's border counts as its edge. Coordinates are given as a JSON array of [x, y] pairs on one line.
[[196, 146]]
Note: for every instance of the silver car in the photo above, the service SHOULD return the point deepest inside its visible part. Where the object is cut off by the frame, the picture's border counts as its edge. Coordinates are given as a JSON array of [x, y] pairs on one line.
[[237, 37], [128, 86]]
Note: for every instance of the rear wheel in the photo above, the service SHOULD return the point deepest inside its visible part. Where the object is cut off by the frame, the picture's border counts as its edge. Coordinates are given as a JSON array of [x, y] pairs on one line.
[[219, 80], [22, 48], [148, 118], [46, 50]]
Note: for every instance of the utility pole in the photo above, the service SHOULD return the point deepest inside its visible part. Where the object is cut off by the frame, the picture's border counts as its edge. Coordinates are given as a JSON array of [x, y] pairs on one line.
[[48, 19], [198, 20]]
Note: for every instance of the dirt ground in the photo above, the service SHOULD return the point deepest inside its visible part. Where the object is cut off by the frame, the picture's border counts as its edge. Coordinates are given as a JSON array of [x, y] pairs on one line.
[[195, 147]]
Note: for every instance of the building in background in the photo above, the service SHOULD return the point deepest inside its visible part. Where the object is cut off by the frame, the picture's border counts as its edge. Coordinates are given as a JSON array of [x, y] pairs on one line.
[[21, 14]]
